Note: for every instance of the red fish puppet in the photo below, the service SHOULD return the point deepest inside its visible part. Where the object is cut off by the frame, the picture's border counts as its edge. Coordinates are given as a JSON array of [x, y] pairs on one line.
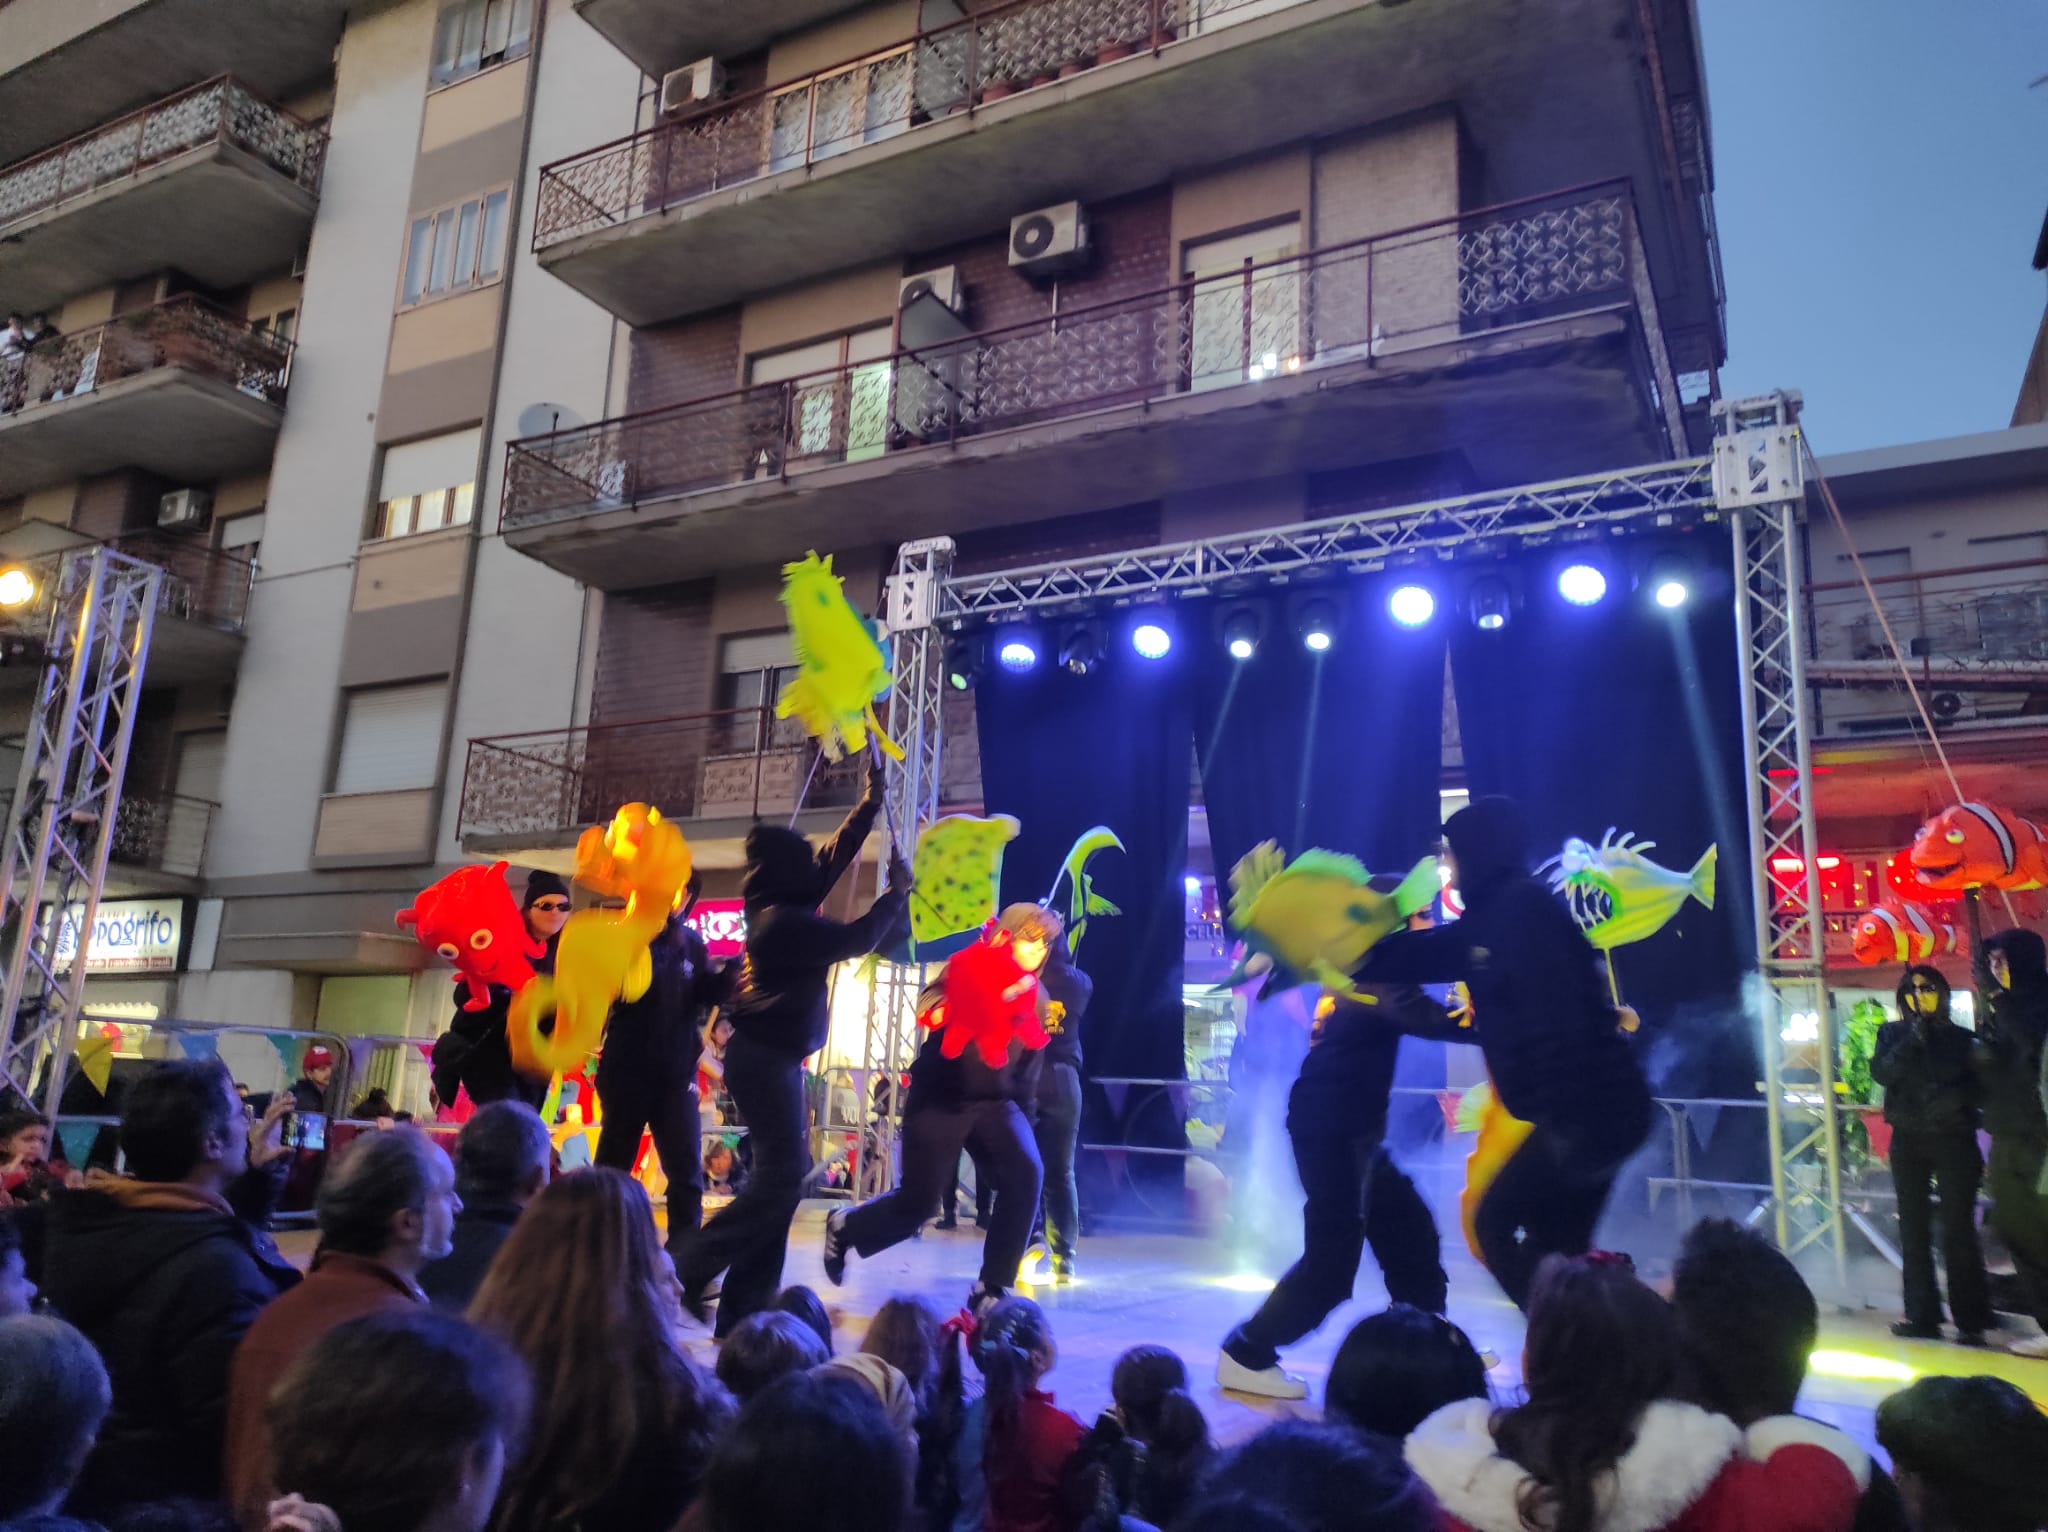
[[1893, 931], [1979, 845], [471, 919], [989, 1001]]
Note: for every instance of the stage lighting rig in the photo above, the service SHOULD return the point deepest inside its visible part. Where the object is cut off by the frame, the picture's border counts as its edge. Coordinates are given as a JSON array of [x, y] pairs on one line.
[[1242, 629], [17, 588], [966, 658], [1582, 584], [1411, 605], [1490, 602], [1670, 581], [1316, 622], [1017, 653], [1081, 647], [1151, 637]]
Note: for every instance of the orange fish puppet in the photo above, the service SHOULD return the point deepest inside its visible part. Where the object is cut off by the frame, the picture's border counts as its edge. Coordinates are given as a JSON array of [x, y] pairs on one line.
[[1893, 931], [1979, 845], [989, 1000], [471, 919]]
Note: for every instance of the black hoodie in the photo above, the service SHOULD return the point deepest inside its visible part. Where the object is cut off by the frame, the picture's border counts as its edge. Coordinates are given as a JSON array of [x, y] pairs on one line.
[[164, 1282], [779, 997], [1539, 1002], [2010, 1037], [1924, 1064]]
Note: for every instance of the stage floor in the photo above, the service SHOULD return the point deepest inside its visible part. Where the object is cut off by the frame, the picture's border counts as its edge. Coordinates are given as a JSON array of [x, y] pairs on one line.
[[1184, 1292]]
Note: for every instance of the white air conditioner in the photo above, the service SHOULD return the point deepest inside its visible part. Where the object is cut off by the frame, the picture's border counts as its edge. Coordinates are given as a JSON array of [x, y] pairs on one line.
[[184, 508], [1049, 241], [942, 284], [692, 85]]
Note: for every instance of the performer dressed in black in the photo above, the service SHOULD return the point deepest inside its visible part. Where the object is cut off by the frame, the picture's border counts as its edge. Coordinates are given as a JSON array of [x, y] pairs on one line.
[[1552, 1038], [1058, 1126], [779, 1018], [1356, 1195], [954, 1103], [2012, 978], [647, 1073], [473, 1054]]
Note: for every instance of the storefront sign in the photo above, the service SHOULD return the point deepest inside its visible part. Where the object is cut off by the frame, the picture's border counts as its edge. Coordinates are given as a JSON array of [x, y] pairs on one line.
[[128, 936], [723, 925]]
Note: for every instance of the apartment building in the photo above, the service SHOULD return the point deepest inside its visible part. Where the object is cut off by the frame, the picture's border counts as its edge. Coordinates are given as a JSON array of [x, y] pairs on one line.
[[606, 309]]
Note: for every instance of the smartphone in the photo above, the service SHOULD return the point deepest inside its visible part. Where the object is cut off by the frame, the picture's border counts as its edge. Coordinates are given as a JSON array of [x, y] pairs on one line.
[[306, 1130]]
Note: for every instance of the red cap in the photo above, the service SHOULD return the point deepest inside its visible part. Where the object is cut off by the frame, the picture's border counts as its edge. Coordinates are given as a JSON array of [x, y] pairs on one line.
[[318, 1057]]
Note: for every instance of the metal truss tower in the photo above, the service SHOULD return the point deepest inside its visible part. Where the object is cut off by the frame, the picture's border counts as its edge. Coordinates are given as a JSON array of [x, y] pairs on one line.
[[1759, 481], [60, 826]]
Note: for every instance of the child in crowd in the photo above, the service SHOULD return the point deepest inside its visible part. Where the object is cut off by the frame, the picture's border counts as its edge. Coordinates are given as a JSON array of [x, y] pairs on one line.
[[814, 1452], [1302, 1477], [1142, 1457], [1003, 1458], [764, 1347], [1601, 1445], [53, 1395], [806, 1305], [1399, 1367], [905, 1334], [27, 1173], [1971, 1455]]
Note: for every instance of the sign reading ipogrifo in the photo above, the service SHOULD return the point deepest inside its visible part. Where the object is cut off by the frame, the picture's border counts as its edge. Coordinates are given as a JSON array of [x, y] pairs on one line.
[[128, 936]]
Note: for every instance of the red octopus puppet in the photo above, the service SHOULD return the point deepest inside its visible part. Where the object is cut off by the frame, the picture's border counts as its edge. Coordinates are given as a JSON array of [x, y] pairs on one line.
[[987, 1000], [471, 919]]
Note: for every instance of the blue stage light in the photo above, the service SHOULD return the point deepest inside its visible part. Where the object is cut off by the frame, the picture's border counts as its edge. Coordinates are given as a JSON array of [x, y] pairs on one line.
[[1581, 584], [1670, 581], [1317, 625], [1151, 640], [1017, 655], [1411, 605]]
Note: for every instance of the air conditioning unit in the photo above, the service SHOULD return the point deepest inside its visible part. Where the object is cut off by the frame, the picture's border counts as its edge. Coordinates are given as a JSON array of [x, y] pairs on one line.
[[1049, 241], [692, 85], [942, 284], [184, 508]]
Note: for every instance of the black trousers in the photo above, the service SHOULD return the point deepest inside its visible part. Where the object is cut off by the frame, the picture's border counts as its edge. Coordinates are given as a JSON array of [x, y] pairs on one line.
[[1058, 1131], [933, 1137], [1548, 1198], [1948, 1166], [748, 1238], [984, 1191], [635, 1104], [1356, 1196], [2020, 1214]]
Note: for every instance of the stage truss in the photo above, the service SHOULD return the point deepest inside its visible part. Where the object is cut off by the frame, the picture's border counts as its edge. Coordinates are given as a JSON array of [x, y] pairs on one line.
[[1752, 483]]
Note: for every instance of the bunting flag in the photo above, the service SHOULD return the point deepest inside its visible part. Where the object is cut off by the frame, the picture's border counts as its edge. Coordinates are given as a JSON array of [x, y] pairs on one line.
[[575, 1152], [201, 1045], [360, 1052], [95, 1059], [76, 1139], [287, 1047]]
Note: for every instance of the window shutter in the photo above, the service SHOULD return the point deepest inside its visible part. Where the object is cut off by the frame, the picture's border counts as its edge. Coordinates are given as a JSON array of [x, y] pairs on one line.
[[435, 462], [391, 738]]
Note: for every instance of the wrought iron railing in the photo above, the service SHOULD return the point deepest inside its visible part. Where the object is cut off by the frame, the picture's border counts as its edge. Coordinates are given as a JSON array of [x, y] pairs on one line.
[[201, 583], [1979, 618], [165, 833], [222, 110], [1358, 302], [741, 763], [184, 332], [925, 78]]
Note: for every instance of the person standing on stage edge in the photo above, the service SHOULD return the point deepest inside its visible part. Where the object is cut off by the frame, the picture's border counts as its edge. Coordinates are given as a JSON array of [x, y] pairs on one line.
[[779, 1018], [1551, 1036], [1923, 1061], [2012, 978], [1058, 1127]]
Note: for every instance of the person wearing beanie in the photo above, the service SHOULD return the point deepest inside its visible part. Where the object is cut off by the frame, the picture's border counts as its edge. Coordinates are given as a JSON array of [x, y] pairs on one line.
[[965, 1103], [2011, 970], [474, 1054], [779, 1018], [1923, 1061], [316, 1073], [1970, 1455], [1552, 1039]]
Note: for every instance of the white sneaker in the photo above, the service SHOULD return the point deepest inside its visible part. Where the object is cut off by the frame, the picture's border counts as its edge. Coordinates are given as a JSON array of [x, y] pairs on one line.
[[1266, 1382], [2037, 1347]]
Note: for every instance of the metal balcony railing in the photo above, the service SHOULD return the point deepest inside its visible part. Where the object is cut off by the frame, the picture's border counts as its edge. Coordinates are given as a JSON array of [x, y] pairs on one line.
[[1985, 618], [184, 332], [740, 763], [201, 583], [927, 77], [165, 833], [1538, 258], [222, 110]]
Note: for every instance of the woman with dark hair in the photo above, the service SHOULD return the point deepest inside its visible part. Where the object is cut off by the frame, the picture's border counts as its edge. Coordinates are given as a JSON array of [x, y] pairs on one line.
[[1399, 1367], [905, 1334], [1600, 1445], [999, 1462], [1142, 1457], [624, 1421], [813, 1453], [1932, 1099]]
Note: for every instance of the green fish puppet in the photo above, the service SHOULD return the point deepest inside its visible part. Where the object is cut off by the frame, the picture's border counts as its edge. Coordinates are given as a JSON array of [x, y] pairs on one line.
[[1082, 900], [1314, 919], [1618, 895]]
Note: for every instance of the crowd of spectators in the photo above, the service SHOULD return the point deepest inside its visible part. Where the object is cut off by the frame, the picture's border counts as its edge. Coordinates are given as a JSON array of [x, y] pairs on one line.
[[479, 1346]]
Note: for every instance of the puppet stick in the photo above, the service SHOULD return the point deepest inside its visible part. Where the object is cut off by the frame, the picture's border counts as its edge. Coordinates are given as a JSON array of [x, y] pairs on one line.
[[888, 809], [809, 777]]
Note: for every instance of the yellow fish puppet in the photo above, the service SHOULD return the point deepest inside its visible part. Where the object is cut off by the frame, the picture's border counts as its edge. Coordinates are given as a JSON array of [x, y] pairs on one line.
[[840, 668], [1314, 919]]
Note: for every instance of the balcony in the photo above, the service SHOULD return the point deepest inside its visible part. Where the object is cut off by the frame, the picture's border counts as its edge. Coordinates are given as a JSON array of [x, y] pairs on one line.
[[660, 35], [180, 389], [530, 795], [1525, 338], [159, 841], [949, 134], [65, 65], [214, 182]]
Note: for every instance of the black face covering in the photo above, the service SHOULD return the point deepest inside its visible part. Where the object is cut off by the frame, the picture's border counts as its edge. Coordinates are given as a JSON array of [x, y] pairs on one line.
[[1909, 1000], [1490, 843], [782, 869], [2026, 955]]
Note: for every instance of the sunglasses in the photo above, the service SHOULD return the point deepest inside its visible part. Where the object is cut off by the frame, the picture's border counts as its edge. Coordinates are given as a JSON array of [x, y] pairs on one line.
[[552, 906]]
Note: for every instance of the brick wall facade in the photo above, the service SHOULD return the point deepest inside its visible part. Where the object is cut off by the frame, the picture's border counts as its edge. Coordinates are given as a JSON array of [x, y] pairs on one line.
[[686, 359], [654, 660]]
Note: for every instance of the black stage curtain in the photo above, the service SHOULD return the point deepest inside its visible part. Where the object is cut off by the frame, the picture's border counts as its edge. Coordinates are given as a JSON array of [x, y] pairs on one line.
[[1342, 750], [1621, 714], [1064, 753]]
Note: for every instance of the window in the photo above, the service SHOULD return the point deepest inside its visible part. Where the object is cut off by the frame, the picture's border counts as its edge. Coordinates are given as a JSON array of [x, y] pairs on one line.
[[475, 34], [753, 669], [428, 484], [241, 535], [391, 737], [455, 248], [1248, 329], [841, 403], [284, 324]]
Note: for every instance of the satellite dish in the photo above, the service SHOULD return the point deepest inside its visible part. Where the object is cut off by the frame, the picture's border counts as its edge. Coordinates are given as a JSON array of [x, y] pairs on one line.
[[545, 419]]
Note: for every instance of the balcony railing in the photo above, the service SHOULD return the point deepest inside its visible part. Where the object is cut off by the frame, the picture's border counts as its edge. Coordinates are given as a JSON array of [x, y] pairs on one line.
[[183, 332], [221, 111], [201, 584], [1539, 258], [1985, 618], [738, 764], [927, 77], [164, 834]]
